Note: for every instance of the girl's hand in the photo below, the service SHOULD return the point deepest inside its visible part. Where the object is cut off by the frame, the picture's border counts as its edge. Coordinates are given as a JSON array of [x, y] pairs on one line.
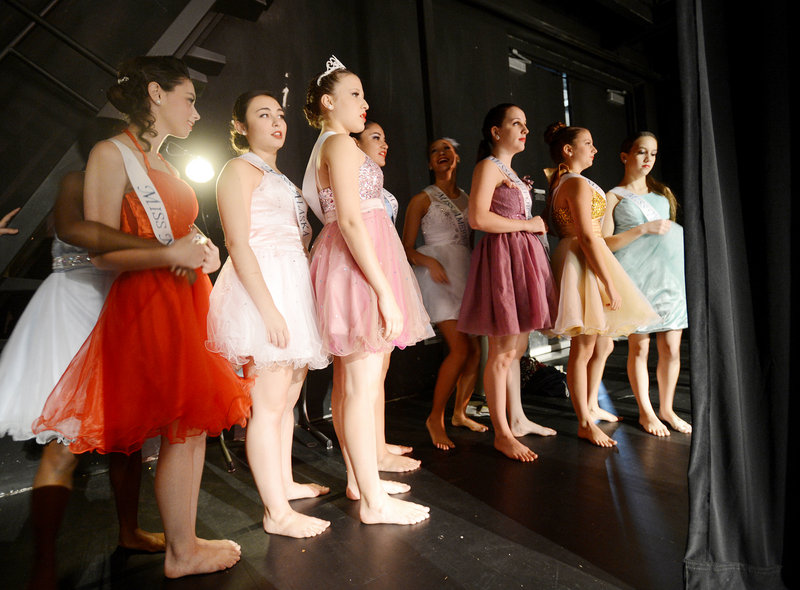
[[536, 225], [188, 251], [657, 227], [211, 261], [277, 331], [392, 317], [187, 273], [614, 300], [438, 274], [4, 229]]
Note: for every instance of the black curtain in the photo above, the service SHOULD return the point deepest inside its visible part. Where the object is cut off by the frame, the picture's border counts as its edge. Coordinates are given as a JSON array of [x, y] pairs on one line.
[[738, 215]]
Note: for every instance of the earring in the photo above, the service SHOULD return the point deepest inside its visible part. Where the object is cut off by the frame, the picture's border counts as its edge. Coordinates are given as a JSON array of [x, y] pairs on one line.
[[158, 102], [497, 137]]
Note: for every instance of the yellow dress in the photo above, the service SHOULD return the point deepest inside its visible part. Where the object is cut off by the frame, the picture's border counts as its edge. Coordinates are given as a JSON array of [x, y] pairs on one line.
[[582, 295]]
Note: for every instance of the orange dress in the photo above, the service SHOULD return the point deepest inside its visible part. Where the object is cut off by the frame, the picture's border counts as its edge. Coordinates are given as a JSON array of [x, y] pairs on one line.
[[144, 370]]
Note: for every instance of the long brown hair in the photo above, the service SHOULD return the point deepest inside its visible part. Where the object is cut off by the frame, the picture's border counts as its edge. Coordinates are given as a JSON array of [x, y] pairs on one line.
[[130, 95], [653, 185]]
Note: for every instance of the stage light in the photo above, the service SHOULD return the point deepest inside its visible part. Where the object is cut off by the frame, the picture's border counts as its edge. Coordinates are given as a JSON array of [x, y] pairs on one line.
[[199, 170]]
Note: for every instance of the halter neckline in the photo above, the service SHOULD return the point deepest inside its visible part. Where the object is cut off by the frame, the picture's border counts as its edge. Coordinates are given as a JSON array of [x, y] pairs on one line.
[[144, 154]]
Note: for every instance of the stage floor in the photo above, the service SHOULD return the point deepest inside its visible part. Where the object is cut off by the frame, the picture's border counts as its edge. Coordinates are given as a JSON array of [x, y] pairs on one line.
[[579, 517]]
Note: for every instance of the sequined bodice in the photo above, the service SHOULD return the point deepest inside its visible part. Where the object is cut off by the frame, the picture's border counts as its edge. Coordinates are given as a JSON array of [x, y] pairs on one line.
[[562, 216], [66, 256], [370, 185], [439, 225]]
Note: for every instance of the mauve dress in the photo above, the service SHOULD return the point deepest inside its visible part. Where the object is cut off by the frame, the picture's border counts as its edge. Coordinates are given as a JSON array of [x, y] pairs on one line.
[[510, 288]]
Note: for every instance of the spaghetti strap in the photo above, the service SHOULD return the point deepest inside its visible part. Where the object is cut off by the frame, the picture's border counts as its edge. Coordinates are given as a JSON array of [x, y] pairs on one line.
[[144, 155]]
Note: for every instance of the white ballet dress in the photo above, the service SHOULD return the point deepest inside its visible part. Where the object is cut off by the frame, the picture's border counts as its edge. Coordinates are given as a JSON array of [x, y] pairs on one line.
[[51, 330], [235, 327], [447, 241]]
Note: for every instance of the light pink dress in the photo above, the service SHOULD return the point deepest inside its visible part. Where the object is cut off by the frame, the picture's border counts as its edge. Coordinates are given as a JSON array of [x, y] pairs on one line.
[[347, 306]]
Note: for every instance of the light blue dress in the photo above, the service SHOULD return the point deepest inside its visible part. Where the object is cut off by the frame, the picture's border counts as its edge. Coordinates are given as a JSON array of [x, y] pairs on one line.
[[654, 263]]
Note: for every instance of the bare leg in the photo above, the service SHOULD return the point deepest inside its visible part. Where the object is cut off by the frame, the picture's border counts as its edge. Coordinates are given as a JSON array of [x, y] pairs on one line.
[[176, 478], [337, 399], [51, 489], [125, 472], [520, 425], [603, 348], [388, 460], [466, 386], [270, 393], [449, 371], [638, 351], [295, 490], [352, 492], [502, 354], [580, 353], [667, 372], [360, 376]]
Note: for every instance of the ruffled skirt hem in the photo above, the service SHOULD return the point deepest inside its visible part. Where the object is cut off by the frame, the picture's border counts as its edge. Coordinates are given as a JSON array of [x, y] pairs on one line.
[[582, 303], [510, 289]]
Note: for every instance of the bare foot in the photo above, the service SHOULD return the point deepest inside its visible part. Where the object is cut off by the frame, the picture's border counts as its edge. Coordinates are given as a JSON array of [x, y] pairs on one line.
[[398, 449], [599, 413], [653, 425], [468, 423], [140, 540], [294, 524], [513, 449], [676, 422], [439, 436], [393, 511], [524, 427], [388, 486], [296, 491], [595, 436], [397, 463], [203, 557]]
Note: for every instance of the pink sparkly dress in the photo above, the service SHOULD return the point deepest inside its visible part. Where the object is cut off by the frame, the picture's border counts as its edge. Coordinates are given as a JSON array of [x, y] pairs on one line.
[[347, 306]]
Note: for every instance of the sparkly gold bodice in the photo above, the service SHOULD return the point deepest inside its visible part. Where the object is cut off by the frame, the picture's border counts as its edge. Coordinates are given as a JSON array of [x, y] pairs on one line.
[[562, 216]]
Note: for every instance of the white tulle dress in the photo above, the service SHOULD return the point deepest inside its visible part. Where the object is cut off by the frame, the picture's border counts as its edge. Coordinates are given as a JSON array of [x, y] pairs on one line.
[[50, 331], [235, 327], [448, 244]]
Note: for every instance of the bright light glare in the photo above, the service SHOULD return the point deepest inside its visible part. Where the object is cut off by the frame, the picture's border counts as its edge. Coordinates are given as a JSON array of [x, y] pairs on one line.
[[199, 170]]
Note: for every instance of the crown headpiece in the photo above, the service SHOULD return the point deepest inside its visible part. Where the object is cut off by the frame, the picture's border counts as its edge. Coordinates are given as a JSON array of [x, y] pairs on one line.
[[331, 66]]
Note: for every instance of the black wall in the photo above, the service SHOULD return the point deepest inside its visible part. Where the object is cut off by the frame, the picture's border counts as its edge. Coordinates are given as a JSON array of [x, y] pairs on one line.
[[429, 68]]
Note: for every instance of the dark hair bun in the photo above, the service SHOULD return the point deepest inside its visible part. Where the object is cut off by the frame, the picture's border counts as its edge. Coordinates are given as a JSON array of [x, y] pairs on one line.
[[552, 129], [130, 94]]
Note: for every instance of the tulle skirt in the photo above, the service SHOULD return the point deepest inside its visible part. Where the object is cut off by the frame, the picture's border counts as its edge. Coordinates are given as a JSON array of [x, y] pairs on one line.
[[582, 302], [235, 327], [347, 306], [443, 300], [510, 289], [145, 371], [50, 331]]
